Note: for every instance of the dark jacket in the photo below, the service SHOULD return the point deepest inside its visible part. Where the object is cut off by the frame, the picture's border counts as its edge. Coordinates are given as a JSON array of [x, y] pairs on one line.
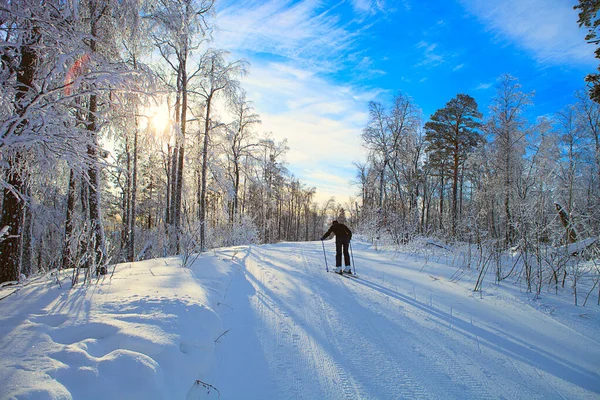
[[341, 231]]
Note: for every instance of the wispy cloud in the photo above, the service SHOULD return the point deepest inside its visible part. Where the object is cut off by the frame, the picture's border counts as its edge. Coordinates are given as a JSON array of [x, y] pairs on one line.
[[431, 57], [365, 68], [302, 32], [545, 28], [319, 118], [322, 122], [484, 86], [373, 7], [293, 47], [459, 66]]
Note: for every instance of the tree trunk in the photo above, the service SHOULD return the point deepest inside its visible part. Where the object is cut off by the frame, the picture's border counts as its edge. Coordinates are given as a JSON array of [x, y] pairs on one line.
[[204, 173], [13, 204], [27, 240], [442, 201], [92, 152], [94, 183], [381, 185], [67, 261], [12, 217], [178, 190], [455, 169], [132, 212], [125, 204], [566, 221], [236, 188], [507, 189]]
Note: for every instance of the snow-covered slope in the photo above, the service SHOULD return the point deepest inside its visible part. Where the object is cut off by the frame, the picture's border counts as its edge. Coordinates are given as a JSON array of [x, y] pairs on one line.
[[267, 322]]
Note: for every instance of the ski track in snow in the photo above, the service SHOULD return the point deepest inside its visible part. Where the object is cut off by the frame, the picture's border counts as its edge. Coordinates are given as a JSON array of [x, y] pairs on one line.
[[268, 322], [327, 337]]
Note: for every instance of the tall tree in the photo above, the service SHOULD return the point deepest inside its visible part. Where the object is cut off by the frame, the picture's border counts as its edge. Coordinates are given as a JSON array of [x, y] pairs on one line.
[[180, 30], [217, 77], [588, 122], [21, 61], [240, 143], [588, 17], [376, 136], [507, 128], [452, 134], [97, 10], [392, 138], [570, 142]]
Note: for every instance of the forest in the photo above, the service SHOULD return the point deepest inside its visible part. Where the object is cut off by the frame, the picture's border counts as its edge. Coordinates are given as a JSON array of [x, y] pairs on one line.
[[125, 135]]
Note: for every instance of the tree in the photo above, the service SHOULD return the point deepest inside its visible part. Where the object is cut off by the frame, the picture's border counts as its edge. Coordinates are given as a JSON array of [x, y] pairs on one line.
[[452, 135], [588, 17], [507, 127], [217, 76], [239, 143], [391, 137], [588, 122], [570, 142], [20, 60], [180, 29], [377, 137]]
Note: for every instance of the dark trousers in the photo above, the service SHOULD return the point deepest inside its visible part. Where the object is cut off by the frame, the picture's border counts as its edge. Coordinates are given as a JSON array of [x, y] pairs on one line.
[[342, 243]]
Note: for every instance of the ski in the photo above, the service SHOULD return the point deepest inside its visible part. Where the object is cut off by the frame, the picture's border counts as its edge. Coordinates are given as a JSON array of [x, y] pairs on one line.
[[345, 275]]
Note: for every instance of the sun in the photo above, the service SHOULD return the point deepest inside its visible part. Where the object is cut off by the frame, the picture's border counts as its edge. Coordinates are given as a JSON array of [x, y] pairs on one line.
[[157, 118]]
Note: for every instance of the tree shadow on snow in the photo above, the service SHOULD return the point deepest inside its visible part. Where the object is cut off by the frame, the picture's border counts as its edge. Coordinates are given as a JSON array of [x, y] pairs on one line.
[[505, 343]]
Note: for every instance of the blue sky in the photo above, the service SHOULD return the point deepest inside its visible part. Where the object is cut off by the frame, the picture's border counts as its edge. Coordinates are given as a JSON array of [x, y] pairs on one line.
[[315, 65]]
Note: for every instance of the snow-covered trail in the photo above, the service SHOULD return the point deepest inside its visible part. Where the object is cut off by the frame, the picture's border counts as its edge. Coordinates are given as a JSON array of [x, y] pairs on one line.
[[398, 331]]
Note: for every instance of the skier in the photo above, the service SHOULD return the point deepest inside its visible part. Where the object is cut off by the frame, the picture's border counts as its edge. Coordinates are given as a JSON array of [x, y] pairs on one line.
[[343, 235]]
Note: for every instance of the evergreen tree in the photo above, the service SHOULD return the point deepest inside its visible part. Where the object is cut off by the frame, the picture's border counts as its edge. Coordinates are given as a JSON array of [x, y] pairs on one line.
[[588, 18], [452, 134]]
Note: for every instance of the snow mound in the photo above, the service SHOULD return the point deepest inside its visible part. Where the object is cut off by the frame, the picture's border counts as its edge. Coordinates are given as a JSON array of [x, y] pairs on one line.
[[148, 331]]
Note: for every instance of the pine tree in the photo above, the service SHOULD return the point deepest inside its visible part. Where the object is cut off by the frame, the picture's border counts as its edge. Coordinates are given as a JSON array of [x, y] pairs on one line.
[[588, 18], [451, 136]]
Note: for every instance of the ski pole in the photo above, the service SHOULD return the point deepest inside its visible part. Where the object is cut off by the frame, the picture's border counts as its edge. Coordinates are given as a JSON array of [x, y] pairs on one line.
[[325, 256], [351, 254]]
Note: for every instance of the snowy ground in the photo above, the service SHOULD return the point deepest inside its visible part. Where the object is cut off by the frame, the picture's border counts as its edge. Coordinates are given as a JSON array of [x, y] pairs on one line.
[[267, 322]]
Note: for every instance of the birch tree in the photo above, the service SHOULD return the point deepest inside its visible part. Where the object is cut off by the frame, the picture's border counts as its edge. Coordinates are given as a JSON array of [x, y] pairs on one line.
[[217, 76], [240, 143], [181, 28], [507, 127]]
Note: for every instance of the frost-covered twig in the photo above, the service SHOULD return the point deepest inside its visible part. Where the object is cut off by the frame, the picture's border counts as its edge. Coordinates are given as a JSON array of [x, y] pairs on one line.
[[208, 386], [221, 335]]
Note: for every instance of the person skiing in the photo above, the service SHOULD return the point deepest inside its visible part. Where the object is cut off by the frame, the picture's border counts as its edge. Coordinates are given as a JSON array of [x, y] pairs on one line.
[[343, 235]]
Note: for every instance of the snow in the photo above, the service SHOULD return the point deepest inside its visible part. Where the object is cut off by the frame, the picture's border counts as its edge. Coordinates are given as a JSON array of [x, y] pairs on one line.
[[580, 245], [267, 322]]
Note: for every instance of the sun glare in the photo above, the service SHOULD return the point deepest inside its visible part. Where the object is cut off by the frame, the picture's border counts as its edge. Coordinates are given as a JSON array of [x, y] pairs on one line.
[[157, 118]]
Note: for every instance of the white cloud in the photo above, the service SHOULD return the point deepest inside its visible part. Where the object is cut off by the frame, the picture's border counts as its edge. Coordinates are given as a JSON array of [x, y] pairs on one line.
[[431, 57], [366, 68], [546, 28], [459, 66], [290, 45], [331, 184], [322, 122], [368, 6], [484, 86], [303, 31]]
